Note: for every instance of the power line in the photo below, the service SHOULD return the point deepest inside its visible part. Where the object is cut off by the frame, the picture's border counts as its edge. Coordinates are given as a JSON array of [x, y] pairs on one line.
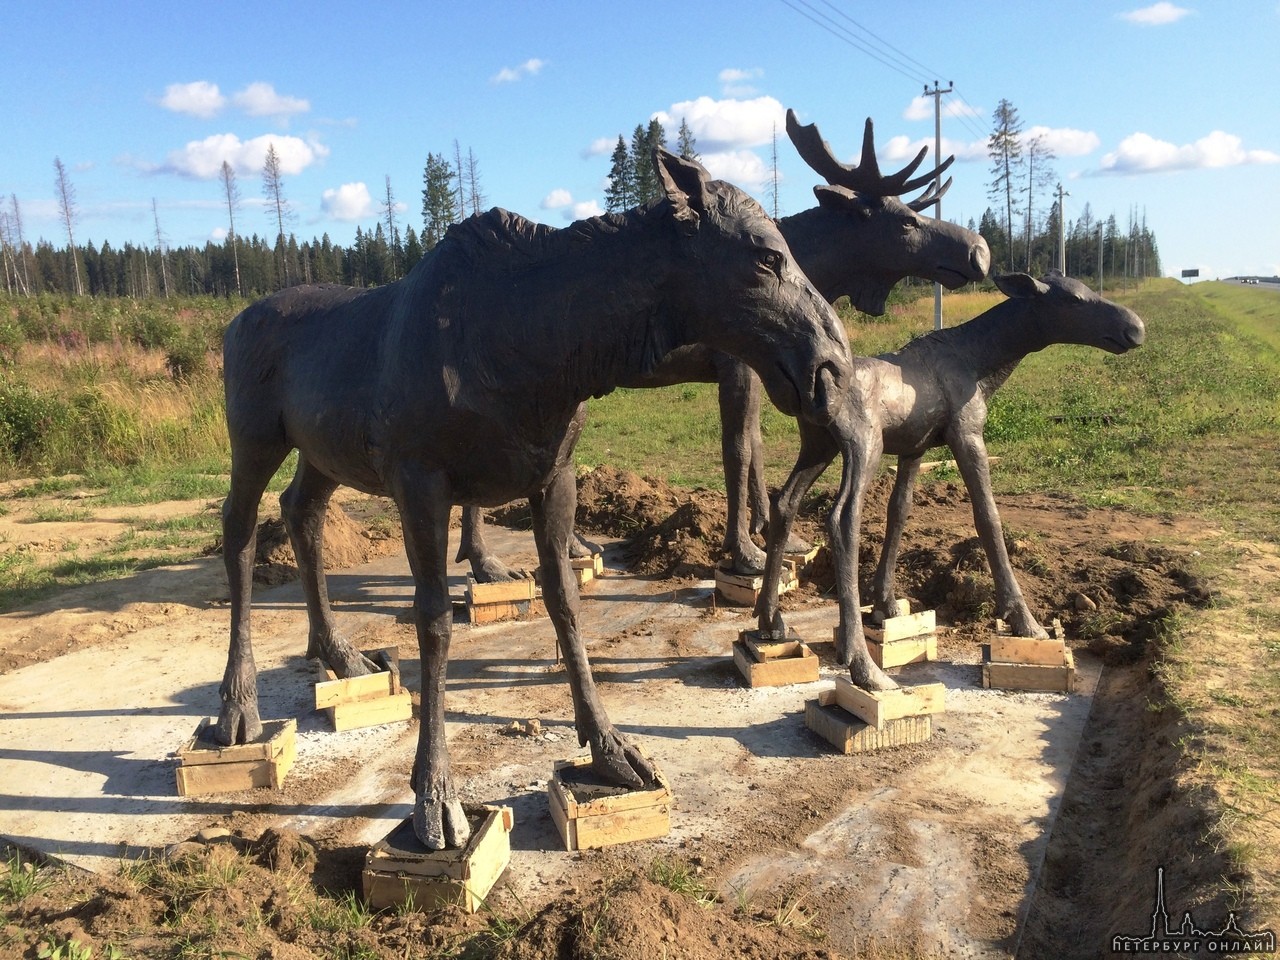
[[809, 12]]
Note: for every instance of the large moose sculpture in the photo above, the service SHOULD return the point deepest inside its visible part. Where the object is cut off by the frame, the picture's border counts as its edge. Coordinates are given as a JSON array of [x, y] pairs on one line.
[[466, 381], [933, 391], [858, 242]]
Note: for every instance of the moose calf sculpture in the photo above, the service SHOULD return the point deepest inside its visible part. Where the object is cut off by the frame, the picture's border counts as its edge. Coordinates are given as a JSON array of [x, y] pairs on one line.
[[933, 391], [466, 381], [858, 242]]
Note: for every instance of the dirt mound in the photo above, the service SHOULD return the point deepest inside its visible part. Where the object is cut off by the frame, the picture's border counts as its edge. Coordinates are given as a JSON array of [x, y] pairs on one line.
[[346, 544], [637, 919]]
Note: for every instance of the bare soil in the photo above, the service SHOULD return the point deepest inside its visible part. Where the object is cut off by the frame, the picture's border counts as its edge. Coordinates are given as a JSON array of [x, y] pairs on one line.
[[1114, 580]]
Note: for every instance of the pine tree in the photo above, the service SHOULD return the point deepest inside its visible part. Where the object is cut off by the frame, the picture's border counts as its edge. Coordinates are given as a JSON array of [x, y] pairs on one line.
[[439, 202], [273, 191], [389, 213], [1004, 147], [621, 192], [644, 177], [685, 144]]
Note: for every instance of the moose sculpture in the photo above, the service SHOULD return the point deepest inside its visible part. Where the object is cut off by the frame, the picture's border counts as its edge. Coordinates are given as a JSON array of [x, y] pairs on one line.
[[933, 391], [858, 242], [466, 381]]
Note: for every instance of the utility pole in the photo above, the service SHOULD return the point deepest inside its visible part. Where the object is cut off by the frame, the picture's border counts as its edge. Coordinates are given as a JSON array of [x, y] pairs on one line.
[[1099, 259], [1062, 233], [937, 93]]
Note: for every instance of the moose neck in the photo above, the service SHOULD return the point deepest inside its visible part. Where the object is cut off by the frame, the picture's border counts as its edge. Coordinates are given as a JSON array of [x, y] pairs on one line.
[[819, 241], [991, 345], [592, 307]]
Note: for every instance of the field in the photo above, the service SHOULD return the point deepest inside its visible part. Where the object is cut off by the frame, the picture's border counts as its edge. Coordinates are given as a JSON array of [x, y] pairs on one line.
[[1155, 470]]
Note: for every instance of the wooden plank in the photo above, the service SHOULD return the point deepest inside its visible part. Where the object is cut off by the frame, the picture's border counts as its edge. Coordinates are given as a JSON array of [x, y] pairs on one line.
[[800, 560], [1051, 653], [354, 714], [849, 735], [1033, 677], [586, 797], [899, 653], [509, 591], [800, 666], [606, 830], [353, 689], [201, 748], [479, 613], [899, 628], [878, 707]]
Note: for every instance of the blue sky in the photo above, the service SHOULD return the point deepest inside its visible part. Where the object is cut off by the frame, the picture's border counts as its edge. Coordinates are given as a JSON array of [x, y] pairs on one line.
[[1168, 108]]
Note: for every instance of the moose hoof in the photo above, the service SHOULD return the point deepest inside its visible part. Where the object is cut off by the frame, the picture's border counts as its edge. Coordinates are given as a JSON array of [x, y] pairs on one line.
[[237, 723], [440, 824], [620, 762], [345, 660], [748, 560], [865, 674], [797, 545], [492, 570]]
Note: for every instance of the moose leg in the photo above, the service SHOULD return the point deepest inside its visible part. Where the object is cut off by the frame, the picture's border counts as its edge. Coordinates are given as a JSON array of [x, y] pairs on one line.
[[238, 720], [817, 450], [971, 457], [613, 757], [303, 505], [485, 567], [740, 444], [844, 526], [883, 590], [438, 818]]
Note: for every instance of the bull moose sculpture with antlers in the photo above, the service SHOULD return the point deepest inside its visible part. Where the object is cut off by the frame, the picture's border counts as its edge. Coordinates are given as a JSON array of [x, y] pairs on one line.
[[858, 242]]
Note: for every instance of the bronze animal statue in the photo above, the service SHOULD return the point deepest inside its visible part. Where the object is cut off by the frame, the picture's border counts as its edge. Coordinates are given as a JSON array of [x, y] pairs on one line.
[[933, 391], [858, 242], [466, 381]]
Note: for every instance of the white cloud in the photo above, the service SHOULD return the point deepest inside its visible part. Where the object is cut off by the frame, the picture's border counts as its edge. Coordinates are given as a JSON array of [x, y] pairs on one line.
[[203, 159], [351, 201], [1156, 15], [900, 149], [921, 108], [740, 167], [584, 209], [261, 100], [1142, 153], [738, 83], [556, 199], [198, 99], [726, 125], [1064, 141], [530, 68], [600, 147], [218, 234]]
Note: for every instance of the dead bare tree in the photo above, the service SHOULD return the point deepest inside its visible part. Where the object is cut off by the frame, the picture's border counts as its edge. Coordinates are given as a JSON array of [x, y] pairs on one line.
[[66, 194], [393, 236], [160, 252], [273, 190], [19, 243], [232, 194]]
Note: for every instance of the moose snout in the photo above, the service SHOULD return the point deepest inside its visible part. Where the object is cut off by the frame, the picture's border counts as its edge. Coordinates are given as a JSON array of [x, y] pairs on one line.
[[980, 258], [1135, 331]]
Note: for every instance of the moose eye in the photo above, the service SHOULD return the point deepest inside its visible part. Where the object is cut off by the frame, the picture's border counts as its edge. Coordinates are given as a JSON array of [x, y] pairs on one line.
[[771, 260]]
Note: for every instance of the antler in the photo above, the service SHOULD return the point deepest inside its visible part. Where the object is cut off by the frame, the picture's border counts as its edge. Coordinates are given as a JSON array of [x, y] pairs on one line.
[[866, 177]]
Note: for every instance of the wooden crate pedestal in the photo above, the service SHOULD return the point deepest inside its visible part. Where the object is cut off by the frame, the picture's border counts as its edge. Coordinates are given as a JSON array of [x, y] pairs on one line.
[[206, 767], [400, 872], [587, 568], [515, 599], [857, 721], [1025, 663], [903, 638], [744, 591], [765, 662], [367, 700], [590, 814]]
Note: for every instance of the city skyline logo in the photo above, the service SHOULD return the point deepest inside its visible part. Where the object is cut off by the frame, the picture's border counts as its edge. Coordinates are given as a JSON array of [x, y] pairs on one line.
[[1188, 938]]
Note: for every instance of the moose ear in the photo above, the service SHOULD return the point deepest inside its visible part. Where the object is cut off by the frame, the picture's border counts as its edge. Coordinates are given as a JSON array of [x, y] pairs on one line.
[[684, 182], [842, 199], [1019, 285]]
